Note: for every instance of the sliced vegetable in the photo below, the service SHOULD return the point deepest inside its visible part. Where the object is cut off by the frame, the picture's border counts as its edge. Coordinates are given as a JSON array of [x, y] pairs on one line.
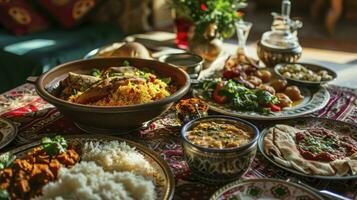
[[274, 108], [217, 96]]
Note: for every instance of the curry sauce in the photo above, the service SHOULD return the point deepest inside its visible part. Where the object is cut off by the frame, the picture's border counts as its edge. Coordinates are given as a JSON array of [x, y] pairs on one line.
[[219, 135]]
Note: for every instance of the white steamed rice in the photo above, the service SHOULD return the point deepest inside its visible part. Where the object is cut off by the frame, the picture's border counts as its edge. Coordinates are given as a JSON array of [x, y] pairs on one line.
[[86, 180], [111, 170]]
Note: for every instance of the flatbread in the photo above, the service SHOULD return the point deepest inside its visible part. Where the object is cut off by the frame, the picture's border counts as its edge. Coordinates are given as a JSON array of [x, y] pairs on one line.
[[280, 144]]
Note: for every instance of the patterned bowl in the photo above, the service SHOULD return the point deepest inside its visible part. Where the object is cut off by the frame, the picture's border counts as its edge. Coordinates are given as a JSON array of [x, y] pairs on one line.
[[218, 166], [270, 56]]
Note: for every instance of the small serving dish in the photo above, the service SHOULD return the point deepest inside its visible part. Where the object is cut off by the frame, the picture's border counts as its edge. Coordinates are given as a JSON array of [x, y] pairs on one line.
[[189, 109], [189, 62], [305, 74], [227, 158]]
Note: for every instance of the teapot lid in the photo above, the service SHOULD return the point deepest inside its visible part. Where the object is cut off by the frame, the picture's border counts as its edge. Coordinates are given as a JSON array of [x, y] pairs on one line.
[[280, 40]]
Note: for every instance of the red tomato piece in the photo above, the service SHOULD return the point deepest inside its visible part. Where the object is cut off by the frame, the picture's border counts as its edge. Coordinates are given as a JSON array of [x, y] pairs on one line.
[[221, 99]]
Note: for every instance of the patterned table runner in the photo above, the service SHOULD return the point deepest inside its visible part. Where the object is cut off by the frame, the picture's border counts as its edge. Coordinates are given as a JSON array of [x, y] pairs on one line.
[[36, 118]]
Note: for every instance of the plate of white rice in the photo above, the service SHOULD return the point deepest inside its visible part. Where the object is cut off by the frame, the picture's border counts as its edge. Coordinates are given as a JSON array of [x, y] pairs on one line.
[[109, 168]]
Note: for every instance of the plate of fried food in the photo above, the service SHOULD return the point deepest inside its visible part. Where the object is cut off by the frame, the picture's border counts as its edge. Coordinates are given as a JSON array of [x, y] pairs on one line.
[[84, 167], [313, 147], [242, 89]]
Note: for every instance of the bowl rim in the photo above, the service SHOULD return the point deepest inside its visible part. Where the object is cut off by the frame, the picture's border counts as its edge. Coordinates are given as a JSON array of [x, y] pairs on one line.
[[330, 71], [200, 60], [43, 93], [226, 150]]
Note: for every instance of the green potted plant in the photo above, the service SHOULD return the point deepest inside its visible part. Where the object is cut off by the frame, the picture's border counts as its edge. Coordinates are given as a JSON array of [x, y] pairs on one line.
[[213, 21]]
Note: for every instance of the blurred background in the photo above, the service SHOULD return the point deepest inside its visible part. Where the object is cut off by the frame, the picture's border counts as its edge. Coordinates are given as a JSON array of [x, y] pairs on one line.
[[328, 24]]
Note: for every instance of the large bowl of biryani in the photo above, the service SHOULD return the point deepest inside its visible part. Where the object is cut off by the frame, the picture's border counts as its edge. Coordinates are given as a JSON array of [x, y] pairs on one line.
[[113, 94]]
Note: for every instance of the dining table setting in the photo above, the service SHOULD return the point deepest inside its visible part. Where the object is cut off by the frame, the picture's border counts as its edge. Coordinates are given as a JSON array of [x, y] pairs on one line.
[[130, 121]]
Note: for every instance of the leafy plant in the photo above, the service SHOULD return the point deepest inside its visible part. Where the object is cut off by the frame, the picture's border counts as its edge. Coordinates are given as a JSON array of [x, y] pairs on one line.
[[223, 13]]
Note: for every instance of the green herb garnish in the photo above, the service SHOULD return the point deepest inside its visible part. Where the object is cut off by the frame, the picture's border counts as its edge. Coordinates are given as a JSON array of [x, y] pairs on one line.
[[74, 91], [239, 96], [126, 63], [116, 74], [166, 80], [4, 194], [6, 160], [54, 146], [96, 72]]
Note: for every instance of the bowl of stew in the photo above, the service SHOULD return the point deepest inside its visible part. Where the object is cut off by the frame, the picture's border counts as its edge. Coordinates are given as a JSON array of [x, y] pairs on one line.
[[219, 149]]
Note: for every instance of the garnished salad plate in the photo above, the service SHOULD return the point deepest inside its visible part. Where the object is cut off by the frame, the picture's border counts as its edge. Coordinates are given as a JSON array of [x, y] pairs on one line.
[[312, 147], [313, 101], [82, 166], [264, 189], [8, 132], [242, 89]]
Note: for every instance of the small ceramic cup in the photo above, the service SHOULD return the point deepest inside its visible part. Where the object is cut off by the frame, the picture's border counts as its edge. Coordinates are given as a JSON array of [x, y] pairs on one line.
[[219, 166]]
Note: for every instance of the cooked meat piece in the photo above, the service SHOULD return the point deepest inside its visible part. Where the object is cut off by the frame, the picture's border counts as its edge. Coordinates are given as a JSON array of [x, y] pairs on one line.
[[45, 159], [254, 80], [267, 88], [103, 89], [284, 101], [21, 186], [55, 165], [78, 82], [263, 74], [293, 92], [118, 70], [279, 85], [41, 174], [246, 83], [68, 158]]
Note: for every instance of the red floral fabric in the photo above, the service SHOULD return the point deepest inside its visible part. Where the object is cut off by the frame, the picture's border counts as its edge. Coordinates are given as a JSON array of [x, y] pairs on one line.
[[20, 18], [68, 12]]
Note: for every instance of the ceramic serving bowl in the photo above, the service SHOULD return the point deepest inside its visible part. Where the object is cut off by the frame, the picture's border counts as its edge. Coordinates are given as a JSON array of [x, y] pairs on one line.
[[111, 119], [312, 67], [218, 166]]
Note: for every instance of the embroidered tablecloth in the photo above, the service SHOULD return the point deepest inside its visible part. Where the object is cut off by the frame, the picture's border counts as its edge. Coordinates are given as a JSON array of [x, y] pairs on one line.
[[36, 118]]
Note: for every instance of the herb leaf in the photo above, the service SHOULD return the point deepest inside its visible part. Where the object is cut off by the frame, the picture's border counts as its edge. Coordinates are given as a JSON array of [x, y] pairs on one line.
[[6, 160], [4, 194], [126, 63], [54, 146], [166, 80], [96, 72]]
